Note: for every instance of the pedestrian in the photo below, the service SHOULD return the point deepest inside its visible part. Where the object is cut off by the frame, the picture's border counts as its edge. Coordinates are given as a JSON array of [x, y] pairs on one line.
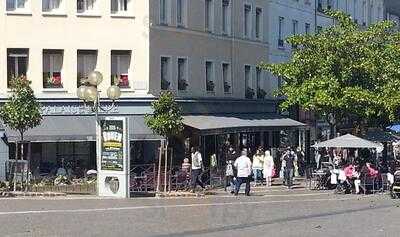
[[289, 159], [197, 169], [243, 166], [186, 172], [258, 160], [229, 176], [268, 170]]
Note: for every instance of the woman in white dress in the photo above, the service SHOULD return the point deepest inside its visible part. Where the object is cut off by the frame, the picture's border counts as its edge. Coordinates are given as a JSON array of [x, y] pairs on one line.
[[268, 167]]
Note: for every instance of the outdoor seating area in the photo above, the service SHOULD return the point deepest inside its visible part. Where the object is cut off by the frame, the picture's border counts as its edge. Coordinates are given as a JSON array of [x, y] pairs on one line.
[[349, 164]]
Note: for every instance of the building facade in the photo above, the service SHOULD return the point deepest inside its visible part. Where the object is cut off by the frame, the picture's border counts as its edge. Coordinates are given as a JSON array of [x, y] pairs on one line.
[[205, 51]]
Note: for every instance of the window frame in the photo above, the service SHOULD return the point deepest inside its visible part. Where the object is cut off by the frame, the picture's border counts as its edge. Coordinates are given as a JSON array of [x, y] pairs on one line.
[[281, 24], [259, 24], [52, 53], [118, 54], [209, 16], [229, 77], [185, 72], [167, 14], [226, 23], [169, 72], [247, 21], [85, 53], [182, 22], [212, 74], [16, 54]]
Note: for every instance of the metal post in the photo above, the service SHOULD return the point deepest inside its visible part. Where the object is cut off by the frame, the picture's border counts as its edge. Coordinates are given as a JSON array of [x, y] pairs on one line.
[[166, 167], [159, 166]]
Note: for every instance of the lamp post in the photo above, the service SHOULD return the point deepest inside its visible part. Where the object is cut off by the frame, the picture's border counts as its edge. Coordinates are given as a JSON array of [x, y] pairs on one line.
[[88, 92]]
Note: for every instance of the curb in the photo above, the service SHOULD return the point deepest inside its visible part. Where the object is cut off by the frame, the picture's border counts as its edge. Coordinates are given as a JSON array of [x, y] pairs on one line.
[[32, 194]]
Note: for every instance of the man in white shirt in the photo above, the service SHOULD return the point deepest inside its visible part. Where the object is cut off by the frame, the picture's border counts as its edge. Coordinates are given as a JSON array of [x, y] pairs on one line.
[[243, 167], [197, 169]]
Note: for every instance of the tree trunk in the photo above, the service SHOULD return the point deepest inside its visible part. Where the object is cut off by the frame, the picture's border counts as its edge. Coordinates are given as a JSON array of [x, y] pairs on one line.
[[17, 152], [159, 167], [166, 166]]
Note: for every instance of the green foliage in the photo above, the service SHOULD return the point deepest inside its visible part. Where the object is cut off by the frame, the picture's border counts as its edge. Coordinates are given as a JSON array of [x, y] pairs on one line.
[[344, 72], [166, 120], [21, 111]]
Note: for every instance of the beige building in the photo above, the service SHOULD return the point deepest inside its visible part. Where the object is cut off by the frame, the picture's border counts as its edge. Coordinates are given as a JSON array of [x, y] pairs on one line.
[[198, 48], [206, 51]]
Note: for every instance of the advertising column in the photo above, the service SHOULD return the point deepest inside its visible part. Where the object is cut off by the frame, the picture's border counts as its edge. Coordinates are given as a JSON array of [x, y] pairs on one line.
[[113, 157]]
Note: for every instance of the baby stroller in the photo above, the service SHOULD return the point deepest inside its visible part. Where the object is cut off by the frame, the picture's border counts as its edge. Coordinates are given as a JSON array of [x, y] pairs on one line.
[[395, 188]]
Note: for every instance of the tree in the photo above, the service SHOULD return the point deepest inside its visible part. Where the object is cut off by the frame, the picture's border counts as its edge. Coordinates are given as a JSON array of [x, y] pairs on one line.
[[165, 121], [344, 73], [21, 111]]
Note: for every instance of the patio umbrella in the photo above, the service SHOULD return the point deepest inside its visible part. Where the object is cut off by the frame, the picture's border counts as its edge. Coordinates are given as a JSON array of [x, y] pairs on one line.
[[395, 128], [348, 141]]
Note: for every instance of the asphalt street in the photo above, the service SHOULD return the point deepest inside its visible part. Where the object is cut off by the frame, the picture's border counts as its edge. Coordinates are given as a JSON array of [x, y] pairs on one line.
[[274, 213]]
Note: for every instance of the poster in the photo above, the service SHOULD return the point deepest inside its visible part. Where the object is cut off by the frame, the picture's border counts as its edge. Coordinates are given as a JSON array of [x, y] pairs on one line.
[[112, 145]]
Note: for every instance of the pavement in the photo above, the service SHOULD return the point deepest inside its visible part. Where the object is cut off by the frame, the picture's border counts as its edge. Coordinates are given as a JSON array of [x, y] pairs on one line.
[[273, 212]]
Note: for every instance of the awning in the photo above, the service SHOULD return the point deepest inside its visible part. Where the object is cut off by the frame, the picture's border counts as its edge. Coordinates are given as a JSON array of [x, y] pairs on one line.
[[348, 141], [214, 124], [77, 128]]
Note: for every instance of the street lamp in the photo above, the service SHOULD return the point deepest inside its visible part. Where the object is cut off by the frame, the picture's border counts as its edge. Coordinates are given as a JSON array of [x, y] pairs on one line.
[[89, 93]]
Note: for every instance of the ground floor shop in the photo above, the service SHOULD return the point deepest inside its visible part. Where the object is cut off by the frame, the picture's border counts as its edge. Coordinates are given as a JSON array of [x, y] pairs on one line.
[[65, 141]]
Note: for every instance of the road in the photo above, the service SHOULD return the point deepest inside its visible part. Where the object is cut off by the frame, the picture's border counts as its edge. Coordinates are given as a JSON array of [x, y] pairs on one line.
[[274, 213]]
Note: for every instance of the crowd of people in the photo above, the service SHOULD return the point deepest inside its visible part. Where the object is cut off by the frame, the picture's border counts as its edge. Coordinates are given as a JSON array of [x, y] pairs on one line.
[[241, 168]]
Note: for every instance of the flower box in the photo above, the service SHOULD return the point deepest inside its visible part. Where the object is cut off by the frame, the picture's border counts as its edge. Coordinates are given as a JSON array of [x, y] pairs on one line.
[[210, 85], [227, 87], [182, 85], [52, 81], [165, 84], [261, 94], [249, 93]]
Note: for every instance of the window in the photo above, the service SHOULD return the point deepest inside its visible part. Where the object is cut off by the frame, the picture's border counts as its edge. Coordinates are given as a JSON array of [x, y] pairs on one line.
[[319, 7], [119, 6], [247, 82], [295, 25], [86, 5], [329, 4], [209, 18], [87, 63], [280, 32], [210, 76], [120, 65], [226, 17], [52, 67], [16, 5], [364, 13], [165, 73], [307, 28], [259, 23], [181, 12], [247, 21], [17, 63], [371, 14], [355, 8], [51, 5], [260, 92], [182, 74], [226, 77], [319, 29], [164, 15]]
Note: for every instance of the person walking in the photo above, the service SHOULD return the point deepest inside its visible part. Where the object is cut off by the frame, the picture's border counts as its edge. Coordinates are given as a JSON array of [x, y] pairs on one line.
[[258, 161], [289, 159], [197, 169], [268, 168], [243, 166]]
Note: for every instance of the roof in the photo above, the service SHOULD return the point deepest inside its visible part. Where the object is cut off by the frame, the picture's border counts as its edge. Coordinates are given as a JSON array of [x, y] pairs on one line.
[[347, 141], [77, 128], [239, 121]]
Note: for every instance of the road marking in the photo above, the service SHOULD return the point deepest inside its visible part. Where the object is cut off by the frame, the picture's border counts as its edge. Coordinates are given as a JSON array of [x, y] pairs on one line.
[[166, 206]]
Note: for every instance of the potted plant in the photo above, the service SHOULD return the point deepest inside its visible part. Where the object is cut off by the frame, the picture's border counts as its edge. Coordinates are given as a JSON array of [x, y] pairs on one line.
[[210, 85], [227, 87], [165, 84], [249, 93], [261, 93], [182, 84], [52, 81]]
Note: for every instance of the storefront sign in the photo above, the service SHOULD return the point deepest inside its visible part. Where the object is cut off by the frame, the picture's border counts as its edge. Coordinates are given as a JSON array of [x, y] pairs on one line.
[[112, 145], [73, 109]]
